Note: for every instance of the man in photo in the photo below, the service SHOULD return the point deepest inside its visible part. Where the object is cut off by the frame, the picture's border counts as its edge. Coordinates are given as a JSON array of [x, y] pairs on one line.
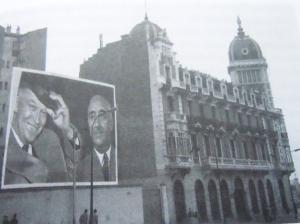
[[34, 153], [101, 129]]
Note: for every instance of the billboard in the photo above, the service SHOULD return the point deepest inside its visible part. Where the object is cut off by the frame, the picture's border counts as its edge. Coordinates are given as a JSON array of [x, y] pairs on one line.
[[59, 127]]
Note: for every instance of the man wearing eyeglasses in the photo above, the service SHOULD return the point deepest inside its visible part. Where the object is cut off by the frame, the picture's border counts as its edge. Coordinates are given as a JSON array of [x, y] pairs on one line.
[[101, 126]]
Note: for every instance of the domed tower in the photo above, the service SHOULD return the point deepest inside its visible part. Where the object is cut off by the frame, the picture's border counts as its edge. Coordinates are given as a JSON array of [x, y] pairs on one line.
[[247, 66]]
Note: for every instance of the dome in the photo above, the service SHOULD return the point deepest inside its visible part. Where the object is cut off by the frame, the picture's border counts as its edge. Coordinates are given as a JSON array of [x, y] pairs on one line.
[[140, 29], [154, 31], [242, 47]]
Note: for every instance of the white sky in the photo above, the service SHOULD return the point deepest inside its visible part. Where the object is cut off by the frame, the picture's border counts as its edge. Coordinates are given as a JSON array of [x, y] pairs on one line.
[[200, 30]]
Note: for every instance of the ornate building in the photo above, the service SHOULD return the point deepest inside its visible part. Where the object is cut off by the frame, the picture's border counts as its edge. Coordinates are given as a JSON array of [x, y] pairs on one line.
[[194, 142]]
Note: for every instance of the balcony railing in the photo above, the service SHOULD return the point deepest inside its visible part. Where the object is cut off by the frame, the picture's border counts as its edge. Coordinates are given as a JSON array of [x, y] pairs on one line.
[[179, 161], [194, 89], [176, 117], [239, 164]]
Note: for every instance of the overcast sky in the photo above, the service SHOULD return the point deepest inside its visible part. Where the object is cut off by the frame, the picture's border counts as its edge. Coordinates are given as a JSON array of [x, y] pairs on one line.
[[200, 30]]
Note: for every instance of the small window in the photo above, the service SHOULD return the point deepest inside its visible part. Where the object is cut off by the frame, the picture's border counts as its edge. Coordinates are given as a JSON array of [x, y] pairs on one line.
[[7, 64], [232, 145], [190, 107], [254, 150], [5, 85], [207, 145], [214, 112], [246, 149], [257, 122], [240, 118], [204, 84], [219, 147], [1, 84], [170, 103], [227, 116], [180, 75], [193, 80], [1, 131], [167, 72], [201, 110], [249, 120], [3, 107]]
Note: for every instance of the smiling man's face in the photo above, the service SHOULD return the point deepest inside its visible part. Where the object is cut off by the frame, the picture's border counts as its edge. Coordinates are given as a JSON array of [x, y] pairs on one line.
[[30, 116]]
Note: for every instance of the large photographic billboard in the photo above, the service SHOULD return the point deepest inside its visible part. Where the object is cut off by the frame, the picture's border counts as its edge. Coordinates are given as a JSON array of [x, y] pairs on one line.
[[59, 127]]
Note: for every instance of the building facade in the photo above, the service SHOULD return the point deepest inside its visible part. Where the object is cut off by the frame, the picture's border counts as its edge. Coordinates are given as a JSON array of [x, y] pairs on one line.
[[197, 144], [17, 50]]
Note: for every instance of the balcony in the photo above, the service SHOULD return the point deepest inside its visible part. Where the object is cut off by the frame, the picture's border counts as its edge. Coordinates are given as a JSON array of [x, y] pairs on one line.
[[286, 167], [235, 164], [179, 161], [194, 89], [175, 117]]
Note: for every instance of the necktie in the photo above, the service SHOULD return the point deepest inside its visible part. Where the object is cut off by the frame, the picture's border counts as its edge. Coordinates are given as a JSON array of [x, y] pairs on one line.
[[25, 148], [105, 167]]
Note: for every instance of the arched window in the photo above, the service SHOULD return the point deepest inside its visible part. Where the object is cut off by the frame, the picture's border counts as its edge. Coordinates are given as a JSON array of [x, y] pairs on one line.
[[225, 198], [283, 197], [214, 200], [179, 200], [253, 197], [200, 200], [240, 200]]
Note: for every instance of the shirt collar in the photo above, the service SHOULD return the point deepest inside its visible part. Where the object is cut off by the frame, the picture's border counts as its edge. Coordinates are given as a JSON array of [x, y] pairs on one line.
[[20, 143], [100, 155]]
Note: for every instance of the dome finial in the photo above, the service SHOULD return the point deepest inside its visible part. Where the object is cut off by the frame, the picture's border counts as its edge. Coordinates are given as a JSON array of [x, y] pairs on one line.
[[240, 28], [146, 16]]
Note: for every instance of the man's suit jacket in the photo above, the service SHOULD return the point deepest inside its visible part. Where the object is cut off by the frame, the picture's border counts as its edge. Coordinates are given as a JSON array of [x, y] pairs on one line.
[[84, 168], [47, 166]]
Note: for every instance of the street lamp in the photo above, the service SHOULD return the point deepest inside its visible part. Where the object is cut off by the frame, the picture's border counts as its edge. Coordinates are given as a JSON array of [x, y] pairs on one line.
[[92, 172]]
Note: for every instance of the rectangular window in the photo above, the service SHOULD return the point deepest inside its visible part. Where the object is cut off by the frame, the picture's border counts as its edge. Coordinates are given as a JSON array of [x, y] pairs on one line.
[[257, 122], [167, 72], [249, 120], [7, 64], [190, 107], [254, 150], [1, 84], [207, 145], [171, 144], [201, 110], [263, 152], [219, 147], [232, 146], [198, 82], [170, 103], [240, 77], [3, 107], [193, 80], [1, 131], [180, 104], [244, 77], [204, 84], [246, 150], [227, 116], [240, 118], [214, 112], [180, 75], [5, 85]]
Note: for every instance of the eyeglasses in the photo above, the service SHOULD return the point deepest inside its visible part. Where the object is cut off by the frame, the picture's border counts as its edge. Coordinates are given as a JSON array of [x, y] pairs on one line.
[[102, 114]]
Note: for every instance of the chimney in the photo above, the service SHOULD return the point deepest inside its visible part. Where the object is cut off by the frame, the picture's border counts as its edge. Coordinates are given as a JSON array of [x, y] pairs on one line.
[[101, 40]]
